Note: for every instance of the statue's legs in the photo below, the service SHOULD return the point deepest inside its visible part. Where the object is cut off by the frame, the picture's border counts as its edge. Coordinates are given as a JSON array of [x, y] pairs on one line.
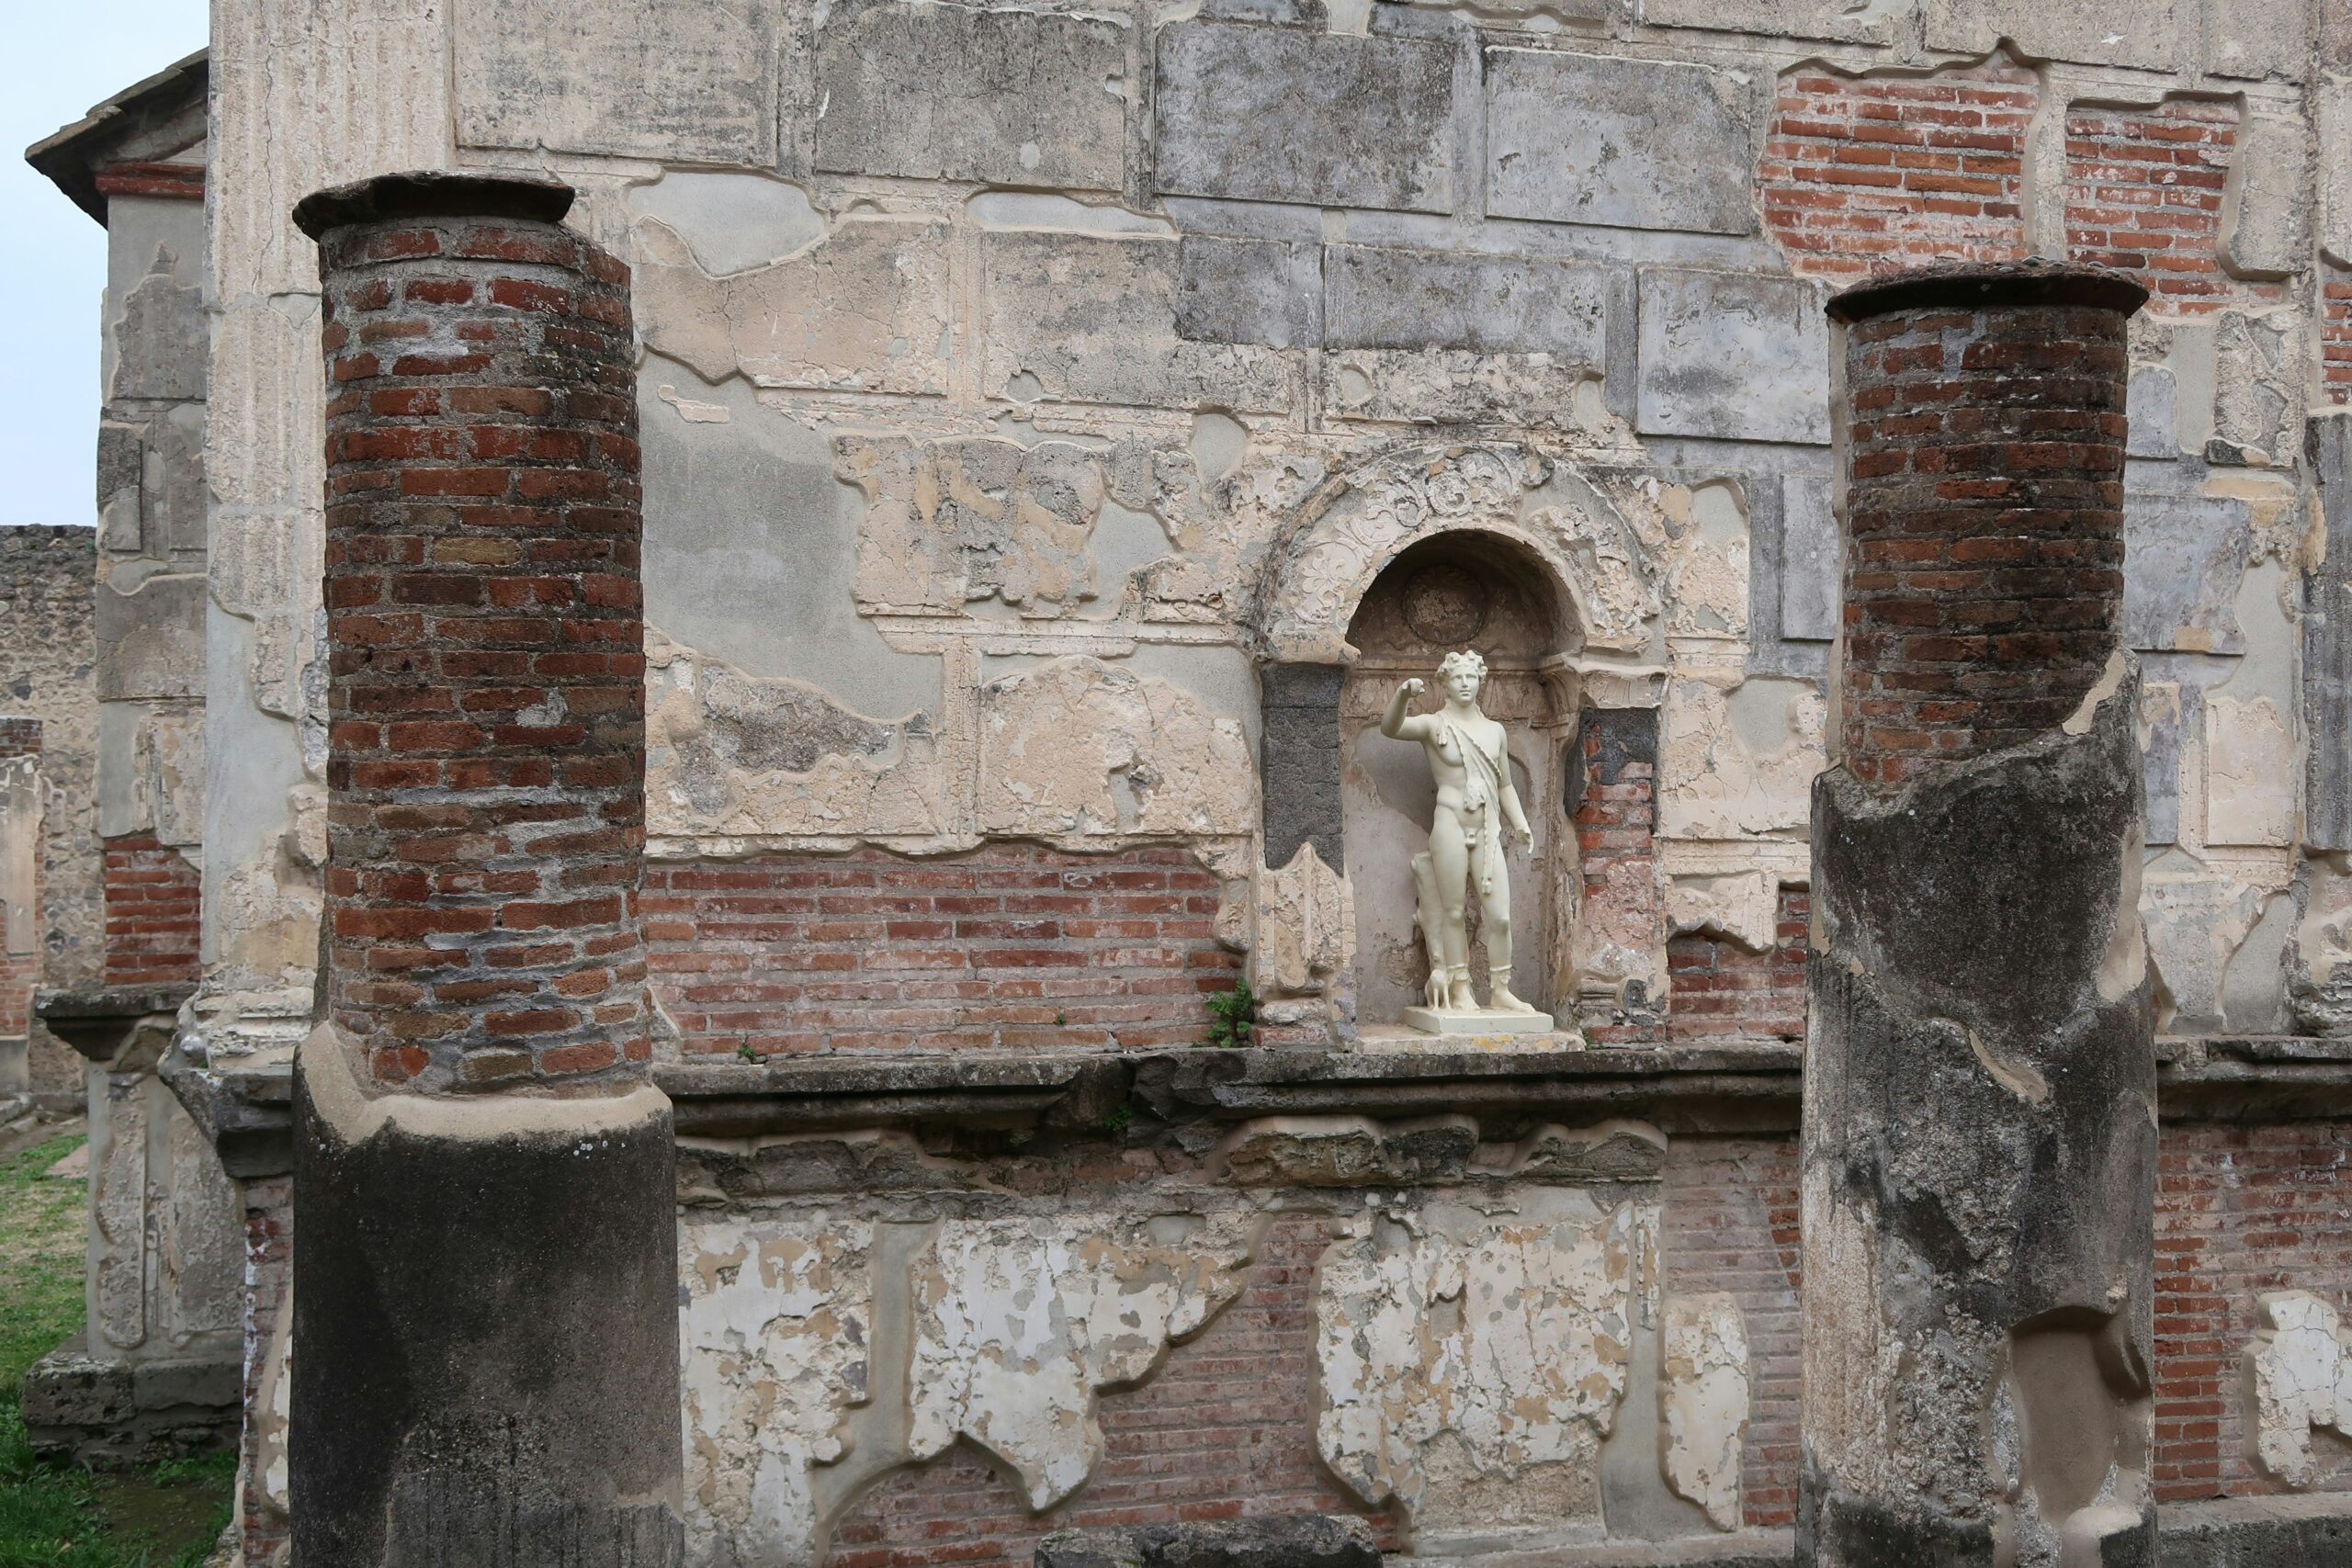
[[1496, 903], [1450, 854]]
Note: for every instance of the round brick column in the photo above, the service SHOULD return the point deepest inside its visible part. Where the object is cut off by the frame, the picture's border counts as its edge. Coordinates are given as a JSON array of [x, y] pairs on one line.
[[1979, 1141], [1984, 434], [485, 1332]]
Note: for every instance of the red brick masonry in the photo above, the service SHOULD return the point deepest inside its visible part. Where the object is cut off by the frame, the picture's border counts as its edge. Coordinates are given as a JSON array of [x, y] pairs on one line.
[[1983, 589], [154, 913], [485, 627], [1012, 946]]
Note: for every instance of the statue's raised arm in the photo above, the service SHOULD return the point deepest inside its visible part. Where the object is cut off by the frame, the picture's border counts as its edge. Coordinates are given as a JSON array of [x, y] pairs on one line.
[[1396, 724]]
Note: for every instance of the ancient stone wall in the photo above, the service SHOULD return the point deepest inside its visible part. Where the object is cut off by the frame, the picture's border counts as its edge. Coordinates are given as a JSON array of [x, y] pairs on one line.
[[1030, 399]]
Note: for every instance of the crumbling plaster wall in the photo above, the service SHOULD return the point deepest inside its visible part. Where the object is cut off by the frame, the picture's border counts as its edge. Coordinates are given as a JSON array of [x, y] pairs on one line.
[[1040, 362], [1496, 1355]]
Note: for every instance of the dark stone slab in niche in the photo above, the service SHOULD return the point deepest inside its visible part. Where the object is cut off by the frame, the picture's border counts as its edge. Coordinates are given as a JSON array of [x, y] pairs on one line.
[[1298, 760]]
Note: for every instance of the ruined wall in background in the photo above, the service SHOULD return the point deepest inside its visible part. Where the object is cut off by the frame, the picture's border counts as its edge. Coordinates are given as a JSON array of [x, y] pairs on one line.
[[55, 869]]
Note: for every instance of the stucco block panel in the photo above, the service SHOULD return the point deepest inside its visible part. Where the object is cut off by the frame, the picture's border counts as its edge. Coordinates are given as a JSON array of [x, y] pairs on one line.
[[151, 643], [2157, 35], [1627, 143], [1378, 297], [1093, 319], [1268, 291], [1739, 358], [1274, 114], [943, 92], [1840, 19], [681, 80]]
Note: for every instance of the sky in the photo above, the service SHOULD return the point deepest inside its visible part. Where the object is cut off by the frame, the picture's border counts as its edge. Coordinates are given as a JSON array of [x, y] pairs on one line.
[[60, 60]]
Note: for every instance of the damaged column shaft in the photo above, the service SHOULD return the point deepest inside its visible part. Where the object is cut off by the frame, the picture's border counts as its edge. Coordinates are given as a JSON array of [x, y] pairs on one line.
[[485, 1346], [1979, 1142]]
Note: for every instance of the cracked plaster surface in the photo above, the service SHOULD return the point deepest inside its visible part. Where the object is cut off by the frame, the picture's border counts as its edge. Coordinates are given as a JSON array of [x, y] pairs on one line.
[[1472, 1362], [948, 522], [1077, 748], [2298, 1380], [775, 1339], [1703, 1394], [728, 752], [1019, 1321], [864, 308]]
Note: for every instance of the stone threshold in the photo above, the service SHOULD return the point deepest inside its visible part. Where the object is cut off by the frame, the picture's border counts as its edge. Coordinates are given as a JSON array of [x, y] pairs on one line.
[[1741, 1548]]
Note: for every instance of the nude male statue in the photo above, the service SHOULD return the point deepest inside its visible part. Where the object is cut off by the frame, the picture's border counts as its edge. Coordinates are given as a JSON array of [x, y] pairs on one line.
[[1476, 802]]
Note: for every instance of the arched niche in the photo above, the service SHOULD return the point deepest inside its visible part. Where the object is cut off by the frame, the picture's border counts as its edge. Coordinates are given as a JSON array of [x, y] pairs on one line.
[[1458, 589], [1566, 563]]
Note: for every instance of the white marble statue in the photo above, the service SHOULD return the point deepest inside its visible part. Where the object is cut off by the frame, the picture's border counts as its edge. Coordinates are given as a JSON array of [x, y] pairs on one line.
[[1475, 803]]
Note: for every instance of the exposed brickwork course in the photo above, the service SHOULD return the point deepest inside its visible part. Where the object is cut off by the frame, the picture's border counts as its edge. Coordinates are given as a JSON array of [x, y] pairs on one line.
[[1730, 1224], [1616, 827], [1224, 1430], [2240, 1211], [1014, 946], [1722, 991], [2143, 196], [1870, 175], [2336, 333], [486, 699], [154, 913], [1984, 588]]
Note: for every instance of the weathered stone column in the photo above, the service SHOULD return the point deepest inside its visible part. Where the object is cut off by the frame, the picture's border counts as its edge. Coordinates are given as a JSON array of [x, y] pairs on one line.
[[485, 1343], [1980, 1142]]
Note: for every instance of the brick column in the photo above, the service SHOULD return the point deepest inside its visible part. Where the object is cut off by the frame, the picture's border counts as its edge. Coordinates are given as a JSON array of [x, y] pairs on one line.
[[1979, 1142], [485, 1337]]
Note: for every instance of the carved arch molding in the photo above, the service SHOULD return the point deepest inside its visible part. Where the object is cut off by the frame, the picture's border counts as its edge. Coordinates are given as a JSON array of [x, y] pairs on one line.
[[1597, 529]]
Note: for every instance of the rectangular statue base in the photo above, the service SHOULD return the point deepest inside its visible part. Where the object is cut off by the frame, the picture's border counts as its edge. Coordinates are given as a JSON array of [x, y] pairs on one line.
[[1444, 1021]]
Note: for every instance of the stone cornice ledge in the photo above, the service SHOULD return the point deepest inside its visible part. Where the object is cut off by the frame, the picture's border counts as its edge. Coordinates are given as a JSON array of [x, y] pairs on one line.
[[1742, 1086]]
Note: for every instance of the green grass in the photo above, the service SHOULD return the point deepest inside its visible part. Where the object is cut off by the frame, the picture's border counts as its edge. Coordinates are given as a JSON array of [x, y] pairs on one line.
[[54, 1515]]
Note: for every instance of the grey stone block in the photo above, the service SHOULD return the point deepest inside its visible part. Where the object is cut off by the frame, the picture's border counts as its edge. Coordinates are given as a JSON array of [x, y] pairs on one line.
[[2259, 37], [1265, 291], [202, 1385], [2154, 405], [944, 91], [1090, 1548], [684, 81], [1809, 564], [2327, 642], [2265, 206], [1628, 143], [1733, 355], [1378, 297], [1278, 114], [1298, 760], [2184, 557], [2333, 97], [70, 1387]]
